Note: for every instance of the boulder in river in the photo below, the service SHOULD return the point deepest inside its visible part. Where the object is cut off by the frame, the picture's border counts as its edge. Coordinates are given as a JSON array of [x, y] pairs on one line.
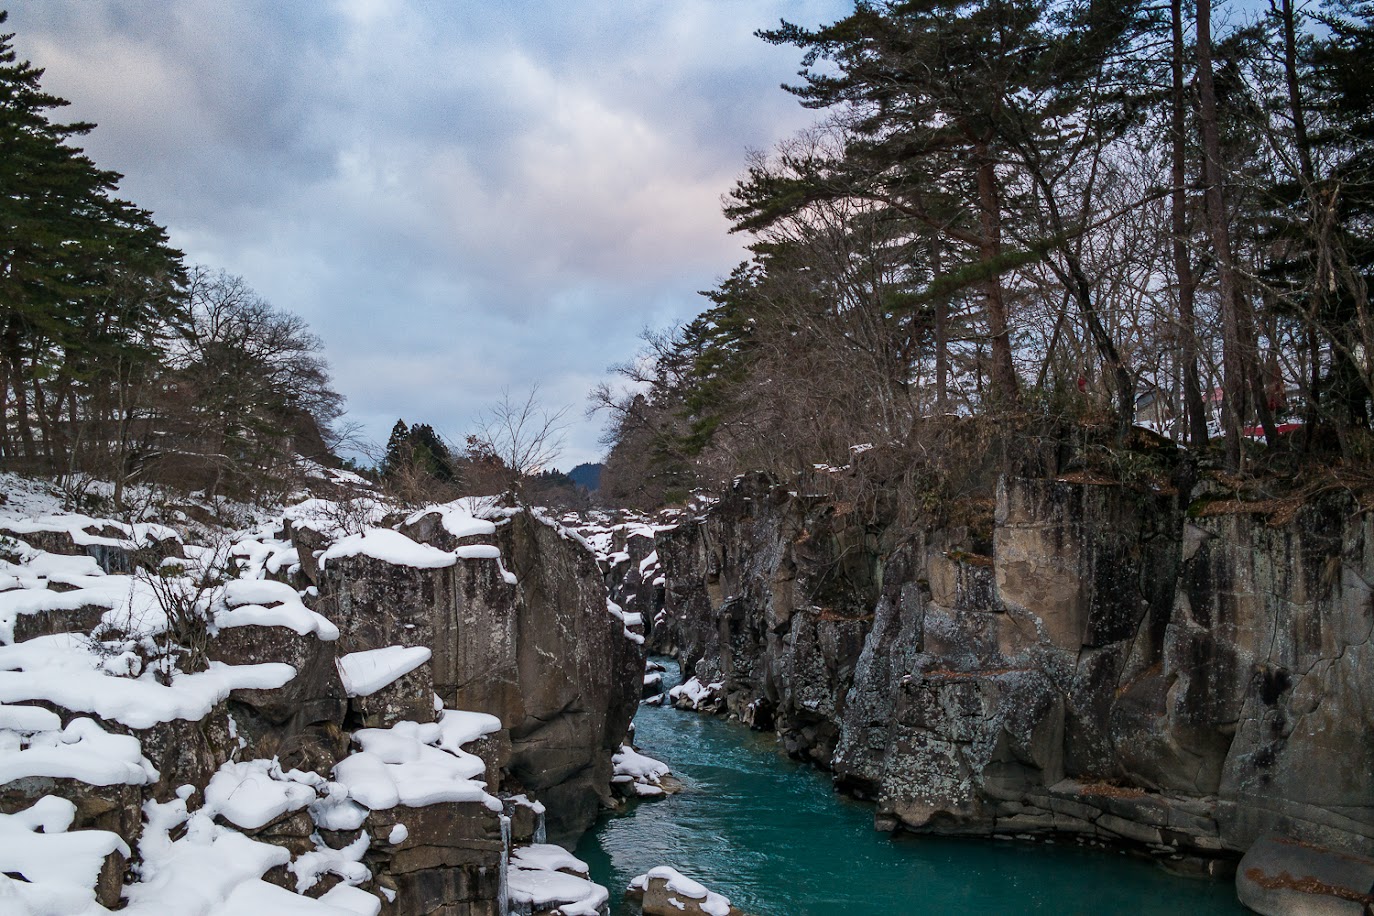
[[664, 891], [1282, 877]]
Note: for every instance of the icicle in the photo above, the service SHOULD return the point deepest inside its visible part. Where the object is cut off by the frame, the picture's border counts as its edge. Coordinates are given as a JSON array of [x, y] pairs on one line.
[[539, 835], [503, 896]]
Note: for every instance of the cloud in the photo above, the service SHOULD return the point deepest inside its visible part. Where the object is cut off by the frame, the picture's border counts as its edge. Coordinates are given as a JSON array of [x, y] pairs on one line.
[[458, 197]]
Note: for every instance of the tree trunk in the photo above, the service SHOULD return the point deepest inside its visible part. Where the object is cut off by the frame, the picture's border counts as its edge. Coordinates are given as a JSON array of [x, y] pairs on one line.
[[1194, 409], [1307, 173], [1005, 390], [1296, 110], [941, 334], [1239, 352]]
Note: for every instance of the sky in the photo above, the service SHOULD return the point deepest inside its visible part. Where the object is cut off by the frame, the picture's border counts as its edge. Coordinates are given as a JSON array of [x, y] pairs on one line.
[[462, 197]]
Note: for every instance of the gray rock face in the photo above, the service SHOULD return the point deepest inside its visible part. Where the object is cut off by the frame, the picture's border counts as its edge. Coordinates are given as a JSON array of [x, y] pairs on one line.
[[542, 653], [1117, 668]]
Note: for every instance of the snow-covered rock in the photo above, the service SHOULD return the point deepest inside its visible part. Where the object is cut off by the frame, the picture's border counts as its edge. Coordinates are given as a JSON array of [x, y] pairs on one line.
[[642, 776], [694, 695], [545, 878], [232, 672], [665, 891]]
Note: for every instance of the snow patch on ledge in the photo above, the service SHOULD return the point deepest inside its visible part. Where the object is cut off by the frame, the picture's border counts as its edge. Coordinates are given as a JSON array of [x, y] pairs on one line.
[[693, 694], [62, 669], [543, 876], [644, 772], [627, 620], [82, 751], [265, 603], [364, 673], [417, 764], [59, 869], [390, 547], [254, 793], [461, 518]]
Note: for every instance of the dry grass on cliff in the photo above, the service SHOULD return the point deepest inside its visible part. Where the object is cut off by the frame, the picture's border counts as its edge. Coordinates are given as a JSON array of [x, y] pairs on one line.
[[1281, 499]]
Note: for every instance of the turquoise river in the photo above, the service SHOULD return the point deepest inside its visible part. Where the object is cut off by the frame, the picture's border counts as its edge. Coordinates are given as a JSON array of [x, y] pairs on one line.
[[773, 836]]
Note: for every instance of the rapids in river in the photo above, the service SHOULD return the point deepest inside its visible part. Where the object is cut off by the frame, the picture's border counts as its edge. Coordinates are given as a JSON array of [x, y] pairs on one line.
[[772, 835]]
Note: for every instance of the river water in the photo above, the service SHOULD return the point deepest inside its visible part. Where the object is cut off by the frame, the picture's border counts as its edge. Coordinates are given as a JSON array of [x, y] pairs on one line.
[[773, 836]]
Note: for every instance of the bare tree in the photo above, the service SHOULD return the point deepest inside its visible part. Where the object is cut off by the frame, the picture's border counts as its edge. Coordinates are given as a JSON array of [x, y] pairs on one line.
[[522, 433]]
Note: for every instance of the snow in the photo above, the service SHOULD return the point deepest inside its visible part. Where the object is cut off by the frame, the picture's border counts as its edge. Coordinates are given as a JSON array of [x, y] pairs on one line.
[[396, 548], [76, 526], [347, 863], [334, 475], [264, 603], [212, 870], [416, 764], [629, 762], [548, 856], [644, 773], [255, 898], [59, 567], [197, 873], [627, 621], [390, 547], [29, 719], [478, 552], [364, 673], [458, 727], [63, 669], [336, 811], [59, 869], [696, 694], [535, 881], [331, 518], [351, 900], [254, 793], [200, 863], [83, 751], [460, 518], [263, 554], [523, 801], [680, 884], [26, 497], [133, 596]]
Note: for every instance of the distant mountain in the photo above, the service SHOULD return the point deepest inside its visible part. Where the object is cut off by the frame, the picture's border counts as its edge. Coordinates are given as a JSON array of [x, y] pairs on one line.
[[587, 475]]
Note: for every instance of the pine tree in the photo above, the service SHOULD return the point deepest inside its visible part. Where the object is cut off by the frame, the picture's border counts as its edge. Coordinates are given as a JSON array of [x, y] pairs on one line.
[[88, 283], [397, 450]]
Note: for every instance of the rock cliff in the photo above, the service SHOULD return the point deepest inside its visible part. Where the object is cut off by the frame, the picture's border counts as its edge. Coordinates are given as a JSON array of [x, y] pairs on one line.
[[358, 719], [1118, 664]]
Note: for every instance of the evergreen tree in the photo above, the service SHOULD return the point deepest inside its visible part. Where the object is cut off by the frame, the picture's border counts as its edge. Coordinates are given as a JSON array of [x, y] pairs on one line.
[[416, 458], [397, 449], [429, 453], [88, 283], [1342, 209], [966, 118]]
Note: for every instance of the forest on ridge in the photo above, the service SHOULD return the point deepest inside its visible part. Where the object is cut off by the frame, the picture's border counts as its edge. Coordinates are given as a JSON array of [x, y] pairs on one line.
[[1052, 220], [1013, 221]]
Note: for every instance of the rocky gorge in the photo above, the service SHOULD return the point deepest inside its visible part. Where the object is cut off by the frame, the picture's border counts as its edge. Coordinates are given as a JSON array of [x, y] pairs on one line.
[[374, 715], [1160, 668], [396, 711]]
